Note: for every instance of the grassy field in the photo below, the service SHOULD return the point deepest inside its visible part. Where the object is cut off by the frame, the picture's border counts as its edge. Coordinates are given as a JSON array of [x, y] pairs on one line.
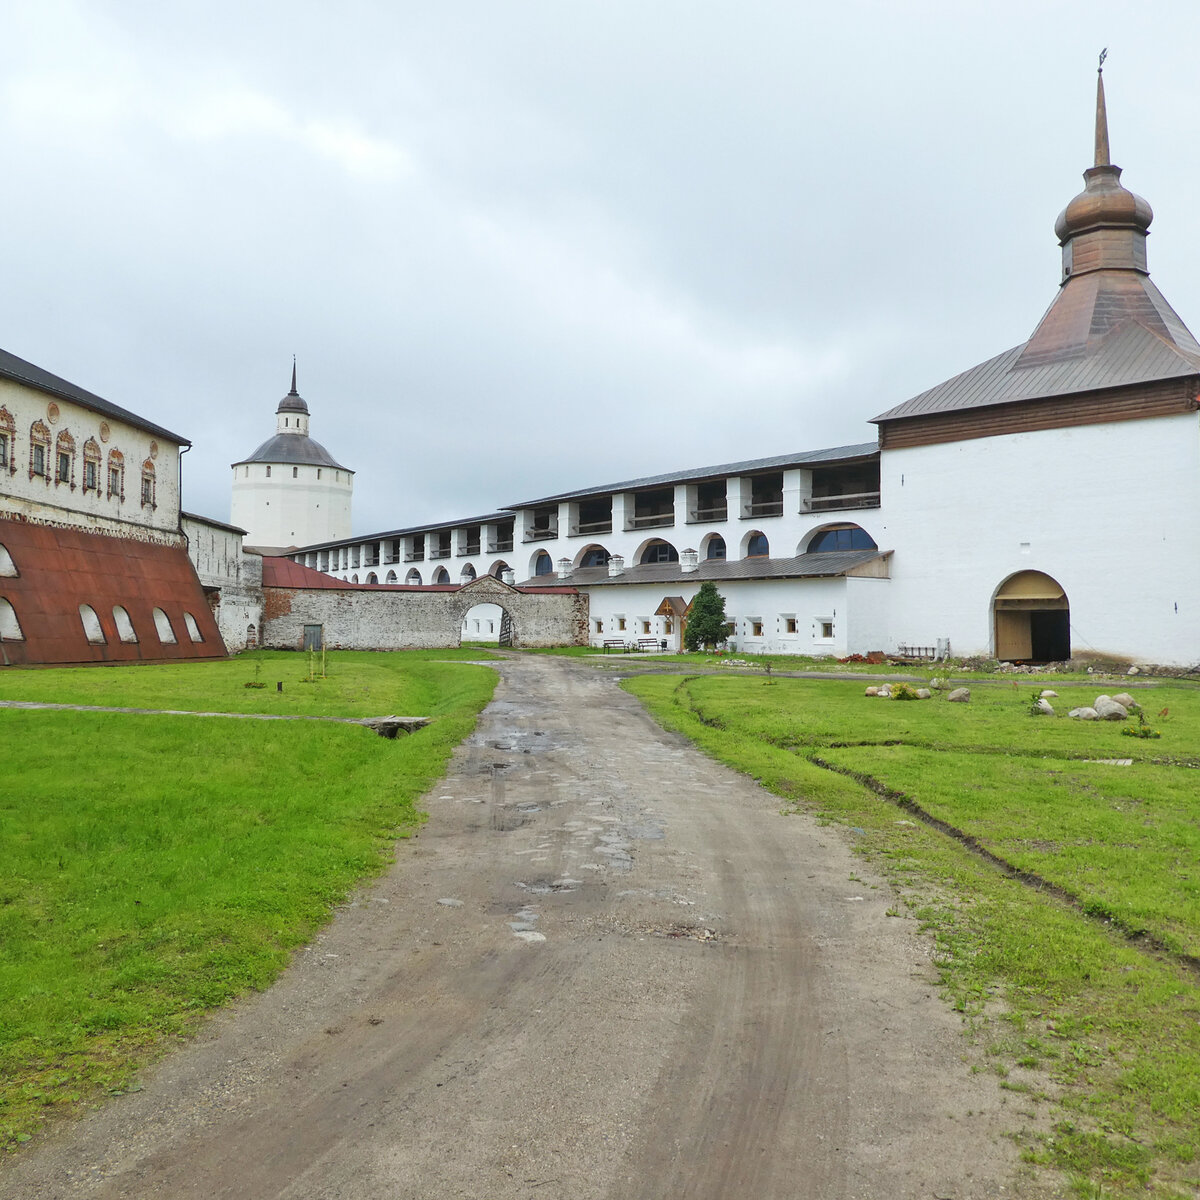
[[1064, 895], [152, 867]]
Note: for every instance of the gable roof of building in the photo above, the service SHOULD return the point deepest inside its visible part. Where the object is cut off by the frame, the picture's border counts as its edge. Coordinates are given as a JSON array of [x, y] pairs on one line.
[[20, 371], [803, 458], [802, 566]]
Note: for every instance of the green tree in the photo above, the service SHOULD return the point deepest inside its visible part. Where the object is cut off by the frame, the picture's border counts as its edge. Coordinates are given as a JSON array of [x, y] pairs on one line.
[[706, 618]]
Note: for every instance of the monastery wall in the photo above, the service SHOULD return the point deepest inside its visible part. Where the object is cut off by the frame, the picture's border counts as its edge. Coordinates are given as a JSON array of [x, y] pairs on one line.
[[1111, 512], [231, 578]]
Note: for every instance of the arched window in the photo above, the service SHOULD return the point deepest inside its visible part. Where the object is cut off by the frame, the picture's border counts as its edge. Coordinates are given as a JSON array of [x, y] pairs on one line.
[[149, 486], [757, 545], [354, 577], [441, 575], [162, 626], [841, 537], [124, 625], [10, 627], [251, 637], [8, 442], [543, 564], [498, 569], [91, 625], [116, 475], [715, 550], [91, 465], [413, 578], [659, 552], [39, 450], [467, 573], [64, 459], [193, 629], [391, 577], [372, 577], [595, 556], [8, 568]]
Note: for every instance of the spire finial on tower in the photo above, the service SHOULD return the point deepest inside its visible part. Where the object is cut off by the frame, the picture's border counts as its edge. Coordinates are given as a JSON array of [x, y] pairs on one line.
[[293, 392], [1103, 158]]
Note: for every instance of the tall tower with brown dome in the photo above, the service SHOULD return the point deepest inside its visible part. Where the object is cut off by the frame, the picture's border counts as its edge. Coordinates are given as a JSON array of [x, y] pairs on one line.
[[291, 491]]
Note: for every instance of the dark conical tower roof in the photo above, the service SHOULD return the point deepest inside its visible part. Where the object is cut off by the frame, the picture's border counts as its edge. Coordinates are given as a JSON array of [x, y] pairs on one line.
[[293, 401]]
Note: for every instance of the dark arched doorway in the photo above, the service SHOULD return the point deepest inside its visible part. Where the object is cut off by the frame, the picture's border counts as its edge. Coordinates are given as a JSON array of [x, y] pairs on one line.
[[1031, 619]]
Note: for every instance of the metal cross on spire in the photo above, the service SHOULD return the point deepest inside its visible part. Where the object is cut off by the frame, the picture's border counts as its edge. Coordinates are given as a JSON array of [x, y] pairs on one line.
[[1103, 158]]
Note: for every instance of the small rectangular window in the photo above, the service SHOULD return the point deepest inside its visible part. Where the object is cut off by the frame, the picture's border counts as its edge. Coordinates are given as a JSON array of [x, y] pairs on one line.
[[38, 465], [295, 472], [147, 490], [89, 476], [318, 472], [114, 481], [64, 467], [790, 624], [268, 472], [3, 449], [621, 624], [826, 629], [599, 626], [757, 628], [645, 626]]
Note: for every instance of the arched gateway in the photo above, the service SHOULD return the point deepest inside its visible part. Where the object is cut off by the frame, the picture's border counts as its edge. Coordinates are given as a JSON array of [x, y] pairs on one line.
[[1031, 619]]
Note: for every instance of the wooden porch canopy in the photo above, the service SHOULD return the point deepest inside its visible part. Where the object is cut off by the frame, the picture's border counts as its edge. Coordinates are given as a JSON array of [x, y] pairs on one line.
[[672, 606]]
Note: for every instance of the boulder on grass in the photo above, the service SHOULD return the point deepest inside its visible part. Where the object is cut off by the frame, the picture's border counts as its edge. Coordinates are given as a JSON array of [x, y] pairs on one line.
[[885, 692], [1047, 694], [1083, 714], [1126, 699], [923, 693], [1045, 708], [872, 691], [1107, 709], [959, 696]]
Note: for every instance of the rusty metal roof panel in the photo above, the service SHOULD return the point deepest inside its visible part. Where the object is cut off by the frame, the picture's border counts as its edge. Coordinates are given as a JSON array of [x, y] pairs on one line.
[[20, 371], [60, 569]]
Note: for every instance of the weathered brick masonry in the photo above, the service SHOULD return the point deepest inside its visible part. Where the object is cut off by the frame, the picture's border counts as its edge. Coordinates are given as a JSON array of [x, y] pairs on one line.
[[361, 617]]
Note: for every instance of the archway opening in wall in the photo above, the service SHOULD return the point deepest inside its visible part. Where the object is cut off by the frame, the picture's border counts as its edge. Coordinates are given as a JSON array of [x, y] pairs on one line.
[[832, 538], [486, 625], [498, 569], [441, 575], [1031, 619]]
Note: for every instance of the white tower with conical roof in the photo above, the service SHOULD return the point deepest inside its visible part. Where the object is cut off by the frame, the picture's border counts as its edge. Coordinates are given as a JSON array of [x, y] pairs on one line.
[[291, 491]]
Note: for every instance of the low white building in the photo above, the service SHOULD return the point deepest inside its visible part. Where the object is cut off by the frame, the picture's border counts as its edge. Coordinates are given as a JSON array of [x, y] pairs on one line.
[[1043, 504], [291, 491]]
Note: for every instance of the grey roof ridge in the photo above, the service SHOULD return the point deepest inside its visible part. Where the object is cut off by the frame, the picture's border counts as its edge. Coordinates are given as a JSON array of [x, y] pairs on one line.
[[42, 380], [395, 533]]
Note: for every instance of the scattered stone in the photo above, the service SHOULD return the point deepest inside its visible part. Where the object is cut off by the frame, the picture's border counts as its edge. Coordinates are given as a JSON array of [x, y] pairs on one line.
[[1132, 671], [959, 696], [885, 692], [1107, 709], [529, 935], [520, 926], [1047, 694], [872, 691], [937, 684], [1045, 708], [1126, 699], [449, 902], [923, 693], [1083, 714]]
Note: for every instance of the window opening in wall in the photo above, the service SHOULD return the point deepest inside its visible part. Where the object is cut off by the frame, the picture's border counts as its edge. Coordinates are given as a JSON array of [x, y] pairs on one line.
[[10, 627], [268, 472], [841, 537], [543, 564], [8, 440], [441, 575], [660, 552], [756, 628], [192, 628], [645, 626], [295, 472], [91, 625], [711, 503], [621, 624], [64, 467], [789, 624], [595, 516], [595, 556], [8, 568], [116, 475], [5, 454], [766, 496], [39, 450], [826, 630], [162, 626], [413, 578], [715, 551], [599, 626], [757, 546], [148, 484], [652, 509], [318, 472], [124, 625]]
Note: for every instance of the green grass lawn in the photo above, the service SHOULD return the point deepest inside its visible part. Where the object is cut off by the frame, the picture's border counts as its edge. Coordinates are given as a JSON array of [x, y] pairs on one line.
[[1085, 995], [152, 867]]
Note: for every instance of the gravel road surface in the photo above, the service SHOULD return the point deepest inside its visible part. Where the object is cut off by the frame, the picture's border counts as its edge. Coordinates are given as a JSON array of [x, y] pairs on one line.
[[607, 968]]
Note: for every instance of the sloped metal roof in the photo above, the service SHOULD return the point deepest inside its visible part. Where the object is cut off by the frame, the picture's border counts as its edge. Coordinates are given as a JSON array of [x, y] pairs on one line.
[[433, 527], [802, 566], [293, 449], [804, 458], [20, 371]]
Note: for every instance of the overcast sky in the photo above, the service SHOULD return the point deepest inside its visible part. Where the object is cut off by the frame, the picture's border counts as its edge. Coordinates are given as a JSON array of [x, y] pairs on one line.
[[523, 247]]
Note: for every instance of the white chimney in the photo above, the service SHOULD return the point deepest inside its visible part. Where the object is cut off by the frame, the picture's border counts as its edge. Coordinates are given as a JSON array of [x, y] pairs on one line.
[[616, 565], [509, 576], [689, 560], [564, 568]]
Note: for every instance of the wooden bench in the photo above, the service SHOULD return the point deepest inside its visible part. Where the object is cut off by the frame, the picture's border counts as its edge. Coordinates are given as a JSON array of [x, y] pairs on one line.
[[615, 644], [647, 644]]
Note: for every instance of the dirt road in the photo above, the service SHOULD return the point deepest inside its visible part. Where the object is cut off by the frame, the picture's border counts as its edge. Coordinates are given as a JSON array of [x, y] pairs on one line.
[[607, 968]]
